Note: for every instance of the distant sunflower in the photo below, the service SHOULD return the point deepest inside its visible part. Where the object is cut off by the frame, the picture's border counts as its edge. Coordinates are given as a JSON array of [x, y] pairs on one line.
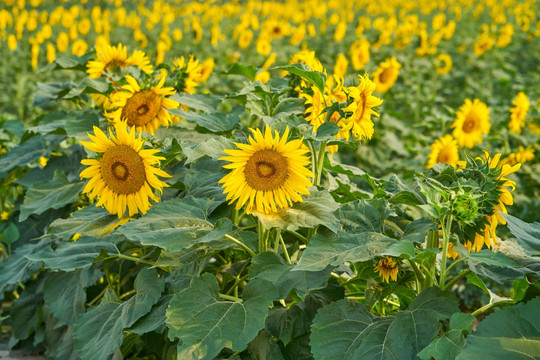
[[444, 150], [471, 123], [143, 109], [188, 71], [443, 64], [387, 269], [386, 74], [519, 112], [110, 58], [520, 156], [268, 174], [363, 102], [124, 175]]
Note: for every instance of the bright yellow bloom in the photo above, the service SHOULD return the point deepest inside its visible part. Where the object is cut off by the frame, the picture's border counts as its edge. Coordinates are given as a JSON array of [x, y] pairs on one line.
[[79, 47], [191, 71], [341, 30], [443, 64], [340, 68], [62, 41], [505, 36], [143, 109], [245, 38], [268, 174], [4, 215], [483, 43], [124, 176], [110, 58], [444, 150], [43, 161], [521, 156], [519, 112], [386, 74], [206, 70], [471, 123], [387, 269], [12, 42], [359, 54]]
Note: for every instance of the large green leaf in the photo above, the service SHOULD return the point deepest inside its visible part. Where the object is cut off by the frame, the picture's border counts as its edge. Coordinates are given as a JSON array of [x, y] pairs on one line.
[[25, 317], [263, 347], [17, 267], [203, 102], [215, 122], [360, 216], [58, 338], [72, 123], [68, 256], [89, 221], [205, 324], [65, 294], [325, 250], [175, 225], [50, 194], [314, 77], [345, 330], [98, 332], [211, 147], [27, 152], [527, 235], [417, 230], [272, 267], [248, 71], [88, 86], [512, 333], [317, 208]]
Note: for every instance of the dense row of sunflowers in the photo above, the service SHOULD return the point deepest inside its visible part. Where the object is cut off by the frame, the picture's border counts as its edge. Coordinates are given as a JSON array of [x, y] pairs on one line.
[[238, 167]]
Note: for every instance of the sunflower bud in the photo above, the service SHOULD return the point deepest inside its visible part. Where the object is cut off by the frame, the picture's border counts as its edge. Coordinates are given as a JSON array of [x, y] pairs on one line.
[[465, 207]]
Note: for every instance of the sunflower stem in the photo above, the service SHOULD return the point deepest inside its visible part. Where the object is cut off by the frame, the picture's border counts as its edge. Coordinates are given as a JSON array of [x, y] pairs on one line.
[[446, 225], [285, 252], [459, 276], [229, 297], [277, 235], [241, 244], [320, 163], [134, 259], [299, 236], [262, 234], [485, 308]]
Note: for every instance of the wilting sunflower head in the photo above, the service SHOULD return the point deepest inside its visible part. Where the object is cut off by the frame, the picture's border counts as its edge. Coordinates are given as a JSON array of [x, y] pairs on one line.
[[144, 109], [123, 176], [387, 268], [268, 174], [472, 123]]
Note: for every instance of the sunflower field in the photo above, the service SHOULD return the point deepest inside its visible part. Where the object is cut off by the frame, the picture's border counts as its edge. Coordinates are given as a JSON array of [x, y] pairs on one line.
[[270, 180]]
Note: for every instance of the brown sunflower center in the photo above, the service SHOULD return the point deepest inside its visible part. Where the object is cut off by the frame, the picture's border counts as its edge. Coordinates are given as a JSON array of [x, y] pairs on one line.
[[470, 123], [122, 169], [141, 108], [386, 76], [266, 170], [443, 157], [113, 65]]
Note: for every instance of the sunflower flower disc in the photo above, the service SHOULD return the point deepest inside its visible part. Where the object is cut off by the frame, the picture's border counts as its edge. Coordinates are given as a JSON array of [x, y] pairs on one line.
[[143, 109], [124, 176], [268, 174]]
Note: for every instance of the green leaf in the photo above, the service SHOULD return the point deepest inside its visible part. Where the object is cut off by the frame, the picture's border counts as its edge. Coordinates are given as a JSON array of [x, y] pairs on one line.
[[65, 294], [17, 268], [91, 221], [205, 324], [263, 347], [314, 77], [512, 333], [204, 184], [203, 102], [9, 234], [448, 346], [323, 251], [417, 230], [50, 194], [527, 235], [400, 249], [272, 267], [25, 311], [27, 152], [403, 194], [88, 86], [98, 332], [175, 225], [215, 122], [345, 330], [68, 256], [58, 339], [73, 123], [212, 147], [154, 320], [360, 216], [248, 71], [317, 208], [488, 257]]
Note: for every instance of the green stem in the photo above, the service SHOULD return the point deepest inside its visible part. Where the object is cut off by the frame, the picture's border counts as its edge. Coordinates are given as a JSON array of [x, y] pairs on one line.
[[277, 235], [131, 258], [124, 295], [431, 277], [320, 163], [241, 244], [263, 236], [236, 283], [299, 236], [419, 276], [98, 297], [460, 276], [485, 308], [454, 264], [285, 252], [229, 297], [446, 226]]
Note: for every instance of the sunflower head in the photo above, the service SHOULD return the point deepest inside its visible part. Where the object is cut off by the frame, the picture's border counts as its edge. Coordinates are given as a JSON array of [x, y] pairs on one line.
[[387, 268], [443, 64], [144, 109], [518, 112], [186, 74], [123, 175], [268, 174], [472, 123], [444, 150], [386, 74], [110, 59]]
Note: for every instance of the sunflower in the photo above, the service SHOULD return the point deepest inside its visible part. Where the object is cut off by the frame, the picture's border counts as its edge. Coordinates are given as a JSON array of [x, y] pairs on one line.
[[387, 269], [268, 174], [359, 54], [188, 71], [143, 109], [110, 58], [520, 156], [124, 175], [443, 64], [386, 74], [519, 112], [361, 107], [444, 150], [340, 68], [471, 123]]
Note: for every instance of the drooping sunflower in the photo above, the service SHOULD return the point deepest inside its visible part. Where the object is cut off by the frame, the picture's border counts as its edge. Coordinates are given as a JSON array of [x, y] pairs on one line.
[[187, 74], [443, 150], [110, 58], [363, 102], [143, 109], [443, 64], [387, 268], [268, 174], [386, 74], [124, 175], [519, 112], [471, 123]]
